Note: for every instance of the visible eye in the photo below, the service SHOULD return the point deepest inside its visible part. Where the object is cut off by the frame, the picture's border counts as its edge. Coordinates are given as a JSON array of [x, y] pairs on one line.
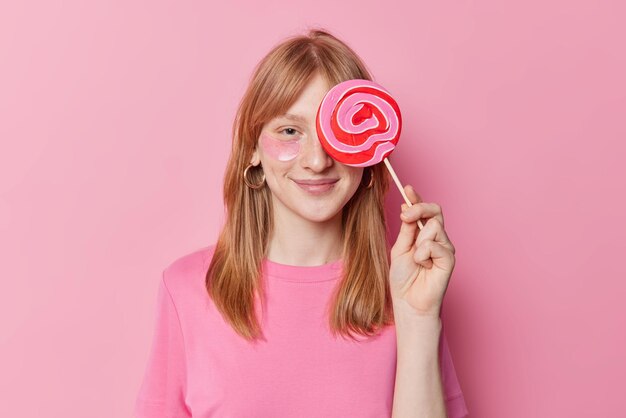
[[291, 131]]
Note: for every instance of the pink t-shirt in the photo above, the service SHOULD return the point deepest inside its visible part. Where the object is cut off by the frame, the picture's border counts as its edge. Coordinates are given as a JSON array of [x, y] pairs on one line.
[[199, 367]]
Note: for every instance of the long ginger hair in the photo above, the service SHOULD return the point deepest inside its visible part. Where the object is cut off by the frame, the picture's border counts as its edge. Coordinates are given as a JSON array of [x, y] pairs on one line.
[[361, 301]]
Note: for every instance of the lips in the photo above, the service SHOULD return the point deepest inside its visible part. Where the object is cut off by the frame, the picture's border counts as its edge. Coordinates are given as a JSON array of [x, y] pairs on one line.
[[317, 187], [317, 182]]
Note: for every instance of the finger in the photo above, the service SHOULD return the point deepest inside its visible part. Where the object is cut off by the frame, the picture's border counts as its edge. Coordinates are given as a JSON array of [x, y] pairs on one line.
[[413, 196], [423, 210], [405, 240], [433, 252], [433, 230], [406, 236]]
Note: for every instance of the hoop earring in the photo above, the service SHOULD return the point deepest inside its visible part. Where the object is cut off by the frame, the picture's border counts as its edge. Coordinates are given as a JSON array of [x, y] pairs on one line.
[[251, 185], [371, 183]]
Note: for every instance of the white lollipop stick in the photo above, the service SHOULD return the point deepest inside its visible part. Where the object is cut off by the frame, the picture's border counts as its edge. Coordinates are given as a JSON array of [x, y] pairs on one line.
[[406, 198]]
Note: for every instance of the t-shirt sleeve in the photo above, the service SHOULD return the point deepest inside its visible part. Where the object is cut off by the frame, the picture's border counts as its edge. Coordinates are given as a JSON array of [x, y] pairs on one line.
[[455, 401], [162, 392]]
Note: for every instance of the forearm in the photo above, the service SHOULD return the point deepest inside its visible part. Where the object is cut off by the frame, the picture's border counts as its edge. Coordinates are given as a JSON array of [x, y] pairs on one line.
[[418, 387]]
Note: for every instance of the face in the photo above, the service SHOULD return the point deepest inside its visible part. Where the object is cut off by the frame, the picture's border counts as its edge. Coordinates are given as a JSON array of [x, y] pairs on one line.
[[304, 180]]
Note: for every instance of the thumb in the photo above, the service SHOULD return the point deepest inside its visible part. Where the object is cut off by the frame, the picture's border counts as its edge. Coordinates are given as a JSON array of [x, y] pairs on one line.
[[406, 236]]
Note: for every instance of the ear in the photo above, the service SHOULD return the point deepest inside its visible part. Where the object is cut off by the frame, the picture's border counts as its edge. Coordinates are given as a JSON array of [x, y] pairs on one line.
[[255, 160]]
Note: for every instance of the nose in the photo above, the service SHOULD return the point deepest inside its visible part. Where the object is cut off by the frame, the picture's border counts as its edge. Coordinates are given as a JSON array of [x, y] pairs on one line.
[[314, 157]]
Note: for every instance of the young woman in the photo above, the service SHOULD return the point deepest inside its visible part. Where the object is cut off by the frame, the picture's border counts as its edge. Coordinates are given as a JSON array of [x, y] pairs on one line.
[[301, 309]]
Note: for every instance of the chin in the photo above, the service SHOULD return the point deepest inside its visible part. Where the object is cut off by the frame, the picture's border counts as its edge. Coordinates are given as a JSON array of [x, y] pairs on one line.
[[319, 216]]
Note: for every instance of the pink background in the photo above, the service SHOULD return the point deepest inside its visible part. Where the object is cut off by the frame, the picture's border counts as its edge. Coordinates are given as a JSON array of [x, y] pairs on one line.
[[115, 119]]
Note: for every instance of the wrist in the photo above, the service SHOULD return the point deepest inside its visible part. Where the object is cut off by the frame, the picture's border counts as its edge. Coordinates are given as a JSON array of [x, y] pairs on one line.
[[404, 312], [418, 340], [419, 324]]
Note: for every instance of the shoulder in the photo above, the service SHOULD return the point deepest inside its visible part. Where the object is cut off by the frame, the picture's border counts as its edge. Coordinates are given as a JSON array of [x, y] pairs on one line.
[[188, 269]]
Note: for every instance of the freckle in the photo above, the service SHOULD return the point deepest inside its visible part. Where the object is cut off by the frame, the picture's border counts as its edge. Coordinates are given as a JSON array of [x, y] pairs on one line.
[[279, 150]]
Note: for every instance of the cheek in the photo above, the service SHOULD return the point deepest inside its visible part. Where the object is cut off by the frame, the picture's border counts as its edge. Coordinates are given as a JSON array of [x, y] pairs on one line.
[[356, 179], [279, 150]]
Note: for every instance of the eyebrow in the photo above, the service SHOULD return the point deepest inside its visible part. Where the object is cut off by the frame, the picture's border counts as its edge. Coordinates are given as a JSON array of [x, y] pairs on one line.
[[296, 118]]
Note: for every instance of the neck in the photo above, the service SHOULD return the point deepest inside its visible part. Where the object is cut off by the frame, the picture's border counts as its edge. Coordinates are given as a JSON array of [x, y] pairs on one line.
[[299, 242]]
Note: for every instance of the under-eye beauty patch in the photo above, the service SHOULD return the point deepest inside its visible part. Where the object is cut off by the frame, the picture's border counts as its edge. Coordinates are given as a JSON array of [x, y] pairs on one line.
[[281, 150]]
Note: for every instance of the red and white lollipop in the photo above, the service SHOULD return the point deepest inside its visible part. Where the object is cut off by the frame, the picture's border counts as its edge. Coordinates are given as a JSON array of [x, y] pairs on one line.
[[359, 124]]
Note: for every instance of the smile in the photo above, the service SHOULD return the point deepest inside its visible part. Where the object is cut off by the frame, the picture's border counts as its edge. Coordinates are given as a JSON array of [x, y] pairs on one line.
[[317, 188]]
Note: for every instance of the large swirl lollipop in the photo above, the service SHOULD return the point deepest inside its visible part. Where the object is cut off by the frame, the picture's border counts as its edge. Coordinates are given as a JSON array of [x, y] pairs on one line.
[[358, 124]]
